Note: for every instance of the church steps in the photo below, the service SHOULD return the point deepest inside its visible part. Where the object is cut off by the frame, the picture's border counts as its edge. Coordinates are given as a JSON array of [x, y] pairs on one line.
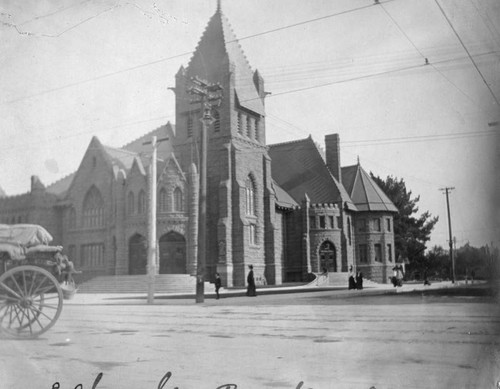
[[164, 283]]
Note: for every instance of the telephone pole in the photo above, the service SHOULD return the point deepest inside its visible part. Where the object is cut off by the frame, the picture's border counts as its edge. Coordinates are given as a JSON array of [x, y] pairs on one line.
[[152, 248], [208, 95], [450, 240]]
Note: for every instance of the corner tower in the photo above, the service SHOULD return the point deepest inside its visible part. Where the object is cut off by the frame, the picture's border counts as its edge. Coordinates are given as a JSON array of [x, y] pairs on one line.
[[240, 199]]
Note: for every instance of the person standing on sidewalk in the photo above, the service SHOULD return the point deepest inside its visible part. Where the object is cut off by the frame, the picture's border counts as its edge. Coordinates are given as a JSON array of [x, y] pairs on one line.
[[352, 282], [359, 280], [251, 292], [218, 284]]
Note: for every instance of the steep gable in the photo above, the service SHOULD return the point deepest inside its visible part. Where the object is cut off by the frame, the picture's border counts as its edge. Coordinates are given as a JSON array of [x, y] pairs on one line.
[[299, 169], [365, 193], [138, 146], [219, 44]]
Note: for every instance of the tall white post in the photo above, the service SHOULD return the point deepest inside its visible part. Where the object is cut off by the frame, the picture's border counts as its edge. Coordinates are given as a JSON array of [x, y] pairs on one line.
[[152, 263]]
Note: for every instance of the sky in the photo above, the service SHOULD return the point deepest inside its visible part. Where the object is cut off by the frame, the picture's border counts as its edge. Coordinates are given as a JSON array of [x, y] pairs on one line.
[[71, 70]]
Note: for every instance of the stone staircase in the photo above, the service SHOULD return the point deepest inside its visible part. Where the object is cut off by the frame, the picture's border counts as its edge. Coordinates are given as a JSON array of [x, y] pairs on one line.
[[164, 283]]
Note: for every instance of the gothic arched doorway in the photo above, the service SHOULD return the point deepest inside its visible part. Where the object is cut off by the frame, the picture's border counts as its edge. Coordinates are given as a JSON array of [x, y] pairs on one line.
[[137, 255], [328, 256], [172, 253]]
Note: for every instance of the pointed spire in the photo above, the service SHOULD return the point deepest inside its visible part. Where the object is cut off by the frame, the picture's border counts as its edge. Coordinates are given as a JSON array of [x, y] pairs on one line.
[[219, 5], [358, 161]]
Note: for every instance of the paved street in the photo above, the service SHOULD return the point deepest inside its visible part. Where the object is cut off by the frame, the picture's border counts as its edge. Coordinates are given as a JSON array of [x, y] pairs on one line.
[[435, 340]]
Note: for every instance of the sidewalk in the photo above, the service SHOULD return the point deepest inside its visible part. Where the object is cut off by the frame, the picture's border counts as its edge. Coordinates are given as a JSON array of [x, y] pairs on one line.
[[371, 289]]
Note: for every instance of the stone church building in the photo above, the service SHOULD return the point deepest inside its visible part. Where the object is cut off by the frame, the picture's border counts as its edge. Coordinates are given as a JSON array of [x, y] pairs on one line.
[[288, 209]]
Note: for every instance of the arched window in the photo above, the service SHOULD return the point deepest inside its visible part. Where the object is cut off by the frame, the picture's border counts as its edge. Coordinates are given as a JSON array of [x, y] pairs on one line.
[[178, 200], [163, 203], [250, 196], [72, 218], [249, 127], [93, 209], [130, 203], [141, 204]]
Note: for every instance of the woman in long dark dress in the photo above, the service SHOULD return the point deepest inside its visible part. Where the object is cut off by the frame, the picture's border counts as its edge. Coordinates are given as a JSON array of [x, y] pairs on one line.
[[352, 282], [359, 280], [251, 283]]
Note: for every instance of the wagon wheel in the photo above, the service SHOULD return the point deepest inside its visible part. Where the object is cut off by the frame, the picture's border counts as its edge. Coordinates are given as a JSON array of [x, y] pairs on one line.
[[30, 301]]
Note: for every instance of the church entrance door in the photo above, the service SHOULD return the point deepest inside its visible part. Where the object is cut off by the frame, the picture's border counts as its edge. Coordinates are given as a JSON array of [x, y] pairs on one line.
[[137, 255], [172, 254], [328, 257]]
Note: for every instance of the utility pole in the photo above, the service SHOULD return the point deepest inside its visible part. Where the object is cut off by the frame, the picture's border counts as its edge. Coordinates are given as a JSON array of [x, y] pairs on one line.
[[152, 248], [208, 95], [450, 240]]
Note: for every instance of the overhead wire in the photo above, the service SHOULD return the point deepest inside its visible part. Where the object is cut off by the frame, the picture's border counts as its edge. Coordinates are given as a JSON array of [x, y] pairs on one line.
[[467, 51], [107, 75]]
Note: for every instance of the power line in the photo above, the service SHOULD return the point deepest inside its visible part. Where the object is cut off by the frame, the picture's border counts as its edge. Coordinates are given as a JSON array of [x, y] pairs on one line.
[[107, 75], [467, 51], [423, 56], [363, 77]]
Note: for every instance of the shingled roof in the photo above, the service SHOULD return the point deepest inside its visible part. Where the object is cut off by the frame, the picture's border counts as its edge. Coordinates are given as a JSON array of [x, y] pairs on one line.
[[217, 43], [365, 193], [299, 169]]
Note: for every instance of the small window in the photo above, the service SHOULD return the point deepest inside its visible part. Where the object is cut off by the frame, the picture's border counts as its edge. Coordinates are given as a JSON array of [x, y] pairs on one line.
[[378, 252], [376, 224], [249, 127], [339, 222], [389, 252], [178, 200], [332, 221], [250, 196], [141, 204], [253, 234], [363, 253], [163, 203], [312, 222], [349, 230], [362, 225], [130, 203], [322, 222], [388, 223]]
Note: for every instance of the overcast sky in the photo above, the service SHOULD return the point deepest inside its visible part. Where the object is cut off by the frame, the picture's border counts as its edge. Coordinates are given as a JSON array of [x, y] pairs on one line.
[[74, 69]]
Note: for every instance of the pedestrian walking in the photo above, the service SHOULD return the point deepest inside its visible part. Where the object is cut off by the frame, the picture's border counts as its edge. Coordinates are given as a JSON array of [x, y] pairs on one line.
[[397, 280], [218, 284], [352, 281], [359, 280], [251, 292]]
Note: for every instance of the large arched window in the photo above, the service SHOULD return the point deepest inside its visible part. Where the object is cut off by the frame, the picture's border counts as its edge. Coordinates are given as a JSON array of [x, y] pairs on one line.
[[250, 196], [178, 200], [130, 203], [93, 209], [141, 204]]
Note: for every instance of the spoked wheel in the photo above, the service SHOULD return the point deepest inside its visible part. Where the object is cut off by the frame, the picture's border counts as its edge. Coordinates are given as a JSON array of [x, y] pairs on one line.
[[30, 301]]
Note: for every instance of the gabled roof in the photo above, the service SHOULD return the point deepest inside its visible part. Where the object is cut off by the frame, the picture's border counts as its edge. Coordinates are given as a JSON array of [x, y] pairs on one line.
[[137, 146], [365, 193], [299, 169], [219, 43], [123, 159], [60, 187]]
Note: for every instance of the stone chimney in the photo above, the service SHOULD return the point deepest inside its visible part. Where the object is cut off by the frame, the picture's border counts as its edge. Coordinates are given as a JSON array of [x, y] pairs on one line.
[[332, 150]]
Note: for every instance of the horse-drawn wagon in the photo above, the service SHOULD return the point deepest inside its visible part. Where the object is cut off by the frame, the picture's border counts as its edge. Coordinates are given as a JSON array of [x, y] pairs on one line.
[[31, 297]]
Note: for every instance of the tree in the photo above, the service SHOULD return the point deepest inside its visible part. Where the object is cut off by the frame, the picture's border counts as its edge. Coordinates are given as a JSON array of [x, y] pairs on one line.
[[410, 232]]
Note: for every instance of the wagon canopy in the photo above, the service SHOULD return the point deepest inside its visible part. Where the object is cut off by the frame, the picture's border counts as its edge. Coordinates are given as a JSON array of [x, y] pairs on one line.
[[26, 235]]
